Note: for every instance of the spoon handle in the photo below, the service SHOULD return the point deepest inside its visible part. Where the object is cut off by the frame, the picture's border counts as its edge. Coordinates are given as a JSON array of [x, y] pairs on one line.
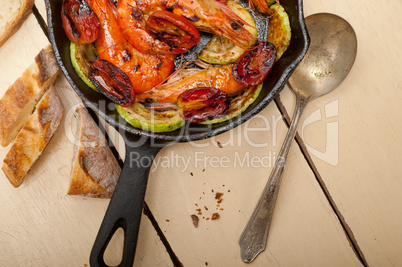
[[253, 240]]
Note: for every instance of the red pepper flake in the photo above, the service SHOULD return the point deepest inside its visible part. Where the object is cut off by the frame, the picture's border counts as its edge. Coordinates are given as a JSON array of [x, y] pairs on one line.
[[215, 216], [195, 220]]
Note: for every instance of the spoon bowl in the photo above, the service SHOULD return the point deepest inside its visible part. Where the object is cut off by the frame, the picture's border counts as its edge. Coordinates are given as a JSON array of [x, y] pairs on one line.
[[329, 58], [328, 61]]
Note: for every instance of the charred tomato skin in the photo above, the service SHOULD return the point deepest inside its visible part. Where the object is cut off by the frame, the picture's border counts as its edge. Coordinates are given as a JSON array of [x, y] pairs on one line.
[[112, 82], [203, 103], [173, 29], [80, 23], [254, 66]]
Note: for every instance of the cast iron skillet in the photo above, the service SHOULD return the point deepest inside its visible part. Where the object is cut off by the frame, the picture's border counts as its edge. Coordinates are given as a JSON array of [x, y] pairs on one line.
[[125, 207]]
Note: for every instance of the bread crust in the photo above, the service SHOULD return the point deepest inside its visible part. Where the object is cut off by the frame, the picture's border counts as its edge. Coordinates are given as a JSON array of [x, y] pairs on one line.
[[24, 12], [95, 170], [33, 137], [20, 99]]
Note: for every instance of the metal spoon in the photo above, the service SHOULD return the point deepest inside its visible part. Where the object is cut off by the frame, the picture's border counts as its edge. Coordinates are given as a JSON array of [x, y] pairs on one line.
[[329, 59]]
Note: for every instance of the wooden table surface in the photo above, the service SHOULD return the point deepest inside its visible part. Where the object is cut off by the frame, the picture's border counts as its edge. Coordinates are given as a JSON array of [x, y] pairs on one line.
[[340, 203]]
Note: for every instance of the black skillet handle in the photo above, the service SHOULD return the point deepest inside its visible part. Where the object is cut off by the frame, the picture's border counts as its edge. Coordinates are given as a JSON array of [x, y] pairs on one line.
[[125, 207]]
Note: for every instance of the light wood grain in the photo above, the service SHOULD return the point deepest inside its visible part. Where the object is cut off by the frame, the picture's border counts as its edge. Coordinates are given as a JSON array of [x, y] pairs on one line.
[[40, 225], [304, 230], [365, 182]]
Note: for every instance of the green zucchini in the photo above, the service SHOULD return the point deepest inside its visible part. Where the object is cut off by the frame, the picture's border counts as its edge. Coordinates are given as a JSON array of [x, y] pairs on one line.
[[82, 57], [279, 32], [155, 121]]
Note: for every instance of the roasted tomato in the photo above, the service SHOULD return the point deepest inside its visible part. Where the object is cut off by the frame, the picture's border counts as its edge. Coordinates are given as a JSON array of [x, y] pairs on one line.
[[254, 66], [203, 103], [112, 82], [172, 29], [79, 21]]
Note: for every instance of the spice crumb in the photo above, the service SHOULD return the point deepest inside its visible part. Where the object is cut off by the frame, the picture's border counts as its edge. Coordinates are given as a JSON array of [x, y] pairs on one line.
[[167, 220], [229, 191], [206, 263], [207, 219], [205, 207], [218, 195], [196, 204], [219, 144], [221, 208], [195, 220], [220, 200], [212, 190], [191, 174], [215, 216], [203, 171]]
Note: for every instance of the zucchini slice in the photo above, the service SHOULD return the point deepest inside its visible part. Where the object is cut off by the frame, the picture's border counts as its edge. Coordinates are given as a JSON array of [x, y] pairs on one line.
[[279, 31], [155, 121], [239, 104], [221, 50], [82, 57]]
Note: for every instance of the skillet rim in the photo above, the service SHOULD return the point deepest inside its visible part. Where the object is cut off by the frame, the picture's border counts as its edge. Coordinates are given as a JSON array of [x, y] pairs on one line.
[[183, 136]]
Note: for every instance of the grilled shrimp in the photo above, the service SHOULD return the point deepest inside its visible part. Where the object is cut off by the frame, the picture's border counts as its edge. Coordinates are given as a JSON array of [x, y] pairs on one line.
[[153, 30], [144, 71], [262, 5], [216, 77], [249, 70], [206, 15], [214, 17]]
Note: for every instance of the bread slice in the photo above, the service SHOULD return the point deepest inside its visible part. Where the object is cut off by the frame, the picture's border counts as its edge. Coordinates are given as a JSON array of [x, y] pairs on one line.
[[20, 99], [12, 14], [33, 137], [95, 170]]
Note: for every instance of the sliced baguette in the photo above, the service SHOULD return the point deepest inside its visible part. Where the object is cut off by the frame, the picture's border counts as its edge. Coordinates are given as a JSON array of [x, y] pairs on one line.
[[95, 170], [20, 99], [33, 137], [12, 14]]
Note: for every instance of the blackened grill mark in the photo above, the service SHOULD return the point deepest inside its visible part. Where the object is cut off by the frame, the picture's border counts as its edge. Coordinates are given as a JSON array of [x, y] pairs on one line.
[[113, 2], [159, 65], [136, 67], [136, 14], [71, 22], [193, 18], [234, 26], [126, 55]]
